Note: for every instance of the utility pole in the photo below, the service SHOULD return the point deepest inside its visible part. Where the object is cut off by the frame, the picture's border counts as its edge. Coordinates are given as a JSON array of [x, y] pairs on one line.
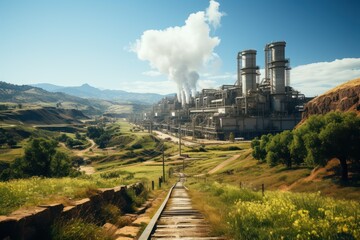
[[179, 139], [180, 147], [163, 161]]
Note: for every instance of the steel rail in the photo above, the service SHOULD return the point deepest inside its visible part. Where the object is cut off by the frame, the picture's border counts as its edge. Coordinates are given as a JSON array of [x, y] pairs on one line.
[[151, 226]]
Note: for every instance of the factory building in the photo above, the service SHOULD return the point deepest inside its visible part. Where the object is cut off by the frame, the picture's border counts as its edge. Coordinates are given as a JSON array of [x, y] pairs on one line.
[[251, 107]]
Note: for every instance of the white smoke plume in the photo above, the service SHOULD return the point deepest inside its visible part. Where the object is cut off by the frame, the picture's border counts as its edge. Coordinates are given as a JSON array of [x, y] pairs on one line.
[[213, 15], [180, 52]]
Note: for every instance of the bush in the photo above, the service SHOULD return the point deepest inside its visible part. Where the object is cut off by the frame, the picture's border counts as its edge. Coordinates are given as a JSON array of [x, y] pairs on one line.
[[115, 174], [136, 146], [62, 138], [78, 229], [94, 132], [233, 148], [77, 161], [71, 143]]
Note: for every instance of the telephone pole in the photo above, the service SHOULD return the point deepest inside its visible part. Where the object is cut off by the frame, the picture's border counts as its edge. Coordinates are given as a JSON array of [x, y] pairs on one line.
[[179, 139], [163, 160]]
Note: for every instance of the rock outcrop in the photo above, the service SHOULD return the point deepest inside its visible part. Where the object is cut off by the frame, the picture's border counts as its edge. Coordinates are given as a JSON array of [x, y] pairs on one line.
[[344, 98]]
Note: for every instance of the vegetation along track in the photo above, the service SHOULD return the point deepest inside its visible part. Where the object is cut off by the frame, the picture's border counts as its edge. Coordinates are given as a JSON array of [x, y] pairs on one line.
[[177, 219]]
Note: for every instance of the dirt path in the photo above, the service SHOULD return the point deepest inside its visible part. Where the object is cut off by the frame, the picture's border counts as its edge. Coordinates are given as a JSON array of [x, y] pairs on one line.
[[223, 164], [220, 166], [87, 169], [81, 153]]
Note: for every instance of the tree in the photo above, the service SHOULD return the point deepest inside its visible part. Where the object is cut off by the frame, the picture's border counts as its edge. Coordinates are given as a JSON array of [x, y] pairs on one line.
[[11, 142], [259, 147], [63, 138], [78, 136], [38, 155], [264, 141], [334, 135], [41, 159], [341, 139], [297, 149], [255, 145], [272, 151], [103, 140], [94, 132], [232, 137], [286, 138], [278, 149], [60, 165]]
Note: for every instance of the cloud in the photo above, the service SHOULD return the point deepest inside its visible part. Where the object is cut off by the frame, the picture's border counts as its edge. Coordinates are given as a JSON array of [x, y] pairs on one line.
[[317, 78], [180, 52], [213, 15], [152, 73]]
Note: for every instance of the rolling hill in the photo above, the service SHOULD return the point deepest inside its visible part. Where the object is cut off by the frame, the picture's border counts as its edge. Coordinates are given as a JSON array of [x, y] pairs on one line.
[[34, 97], [46, 115], [345, 97], [29, 94]]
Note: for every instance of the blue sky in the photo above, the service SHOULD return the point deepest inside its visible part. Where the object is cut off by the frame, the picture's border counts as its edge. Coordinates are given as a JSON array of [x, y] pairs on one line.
[[70, 42]]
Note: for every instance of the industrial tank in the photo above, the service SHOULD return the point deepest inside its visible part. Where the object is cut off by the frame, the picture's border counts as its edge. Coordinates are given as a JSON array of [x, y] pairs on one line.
[[248, 71], [277, 66]]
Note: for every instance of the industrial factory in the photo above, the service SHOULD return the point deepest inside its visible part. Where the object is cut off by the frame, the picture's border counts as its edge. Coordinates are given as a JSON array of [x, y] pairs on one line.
[[253, 106]]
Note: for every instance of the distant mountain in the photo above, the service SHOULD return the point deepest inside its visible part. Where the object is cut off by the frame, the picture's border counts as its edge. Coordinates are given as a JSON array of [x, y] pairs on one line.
[[29, 94], [87, 91], [32, 96], [47, 86]]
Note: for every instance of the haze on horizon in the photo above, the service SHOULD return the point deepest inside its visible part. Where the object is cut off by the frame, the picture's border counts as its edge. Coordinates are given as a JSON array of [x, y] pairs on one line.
[[70, 43]]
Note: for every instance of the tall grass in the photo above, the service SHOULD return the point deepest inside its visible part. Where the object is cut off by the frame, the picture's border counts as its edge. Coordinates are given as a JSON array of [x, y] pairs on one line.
[[284, 215], [25, 192], [78, 229]]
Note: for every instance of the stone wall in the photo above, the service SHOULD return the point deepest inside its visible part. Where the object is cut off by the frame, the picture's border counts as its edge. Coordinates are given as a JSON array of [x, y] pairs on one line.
[[35, 222]]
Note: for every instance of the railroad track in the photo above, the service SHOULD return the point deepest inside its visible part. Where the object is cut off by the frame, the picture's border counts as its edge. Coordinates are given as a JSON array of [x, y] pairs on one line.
[[177, 219]]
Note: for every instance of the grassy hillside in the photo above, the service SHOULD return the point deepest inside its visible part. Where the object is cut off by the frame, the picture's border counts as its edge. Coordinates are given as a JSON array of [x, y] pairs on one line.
[[42, 116], [250, 173]]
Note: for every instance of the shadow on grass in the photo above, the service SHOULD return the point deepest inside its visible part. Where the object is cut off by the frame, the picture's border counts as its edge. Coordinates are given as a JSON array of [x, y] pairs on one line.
[[354, 176]]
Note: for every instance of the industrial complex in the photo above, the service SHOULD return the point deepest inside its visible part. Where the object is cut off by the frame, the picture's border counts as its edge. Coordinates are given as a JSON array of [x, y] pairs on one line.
[[253, 106]]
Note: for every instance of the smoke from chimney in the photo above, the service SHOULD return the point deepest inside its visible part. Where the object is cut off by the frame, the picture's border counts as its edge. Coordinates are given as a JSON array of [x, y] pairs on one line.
[[180, 52]]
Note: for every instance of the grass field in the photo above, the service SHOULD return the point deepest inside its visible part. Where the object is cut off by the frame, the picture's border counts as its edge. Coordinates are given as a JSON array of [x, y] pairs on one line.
[[9, 154], [245, 214], [34, 191]]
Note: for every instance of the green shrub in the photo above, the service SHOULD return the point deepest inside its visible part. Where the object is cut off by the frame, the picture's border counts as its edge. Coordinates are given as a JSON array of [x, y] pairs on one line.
[[136, 146], [110, 213], [234, 148]]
